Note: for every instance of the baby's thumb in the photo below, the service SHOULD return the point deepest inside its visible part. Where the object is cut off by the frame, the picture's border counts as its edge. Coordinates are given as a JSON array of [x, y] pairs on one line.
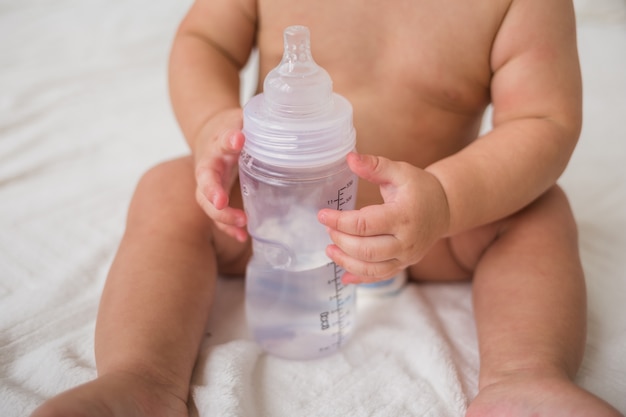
[[375, 169]]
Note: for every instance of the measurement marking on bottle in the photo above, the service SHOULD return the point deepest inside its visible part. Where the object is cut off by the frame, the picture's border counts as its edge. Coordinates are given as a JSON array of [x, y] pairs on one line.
[[338, 271], [341, 321], [338, 319], [324, 322], [341, 199]]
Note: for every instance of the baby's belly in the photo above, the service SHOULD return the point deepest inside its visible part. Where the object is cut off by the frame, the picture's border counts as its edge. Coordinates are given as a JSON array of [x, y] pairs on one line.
[[419, 138]]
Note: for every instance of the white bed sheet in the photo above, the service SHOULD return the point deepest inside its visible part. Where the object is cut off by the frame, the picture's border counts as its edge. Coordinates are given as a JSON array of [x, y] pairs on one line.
[[84, 111]]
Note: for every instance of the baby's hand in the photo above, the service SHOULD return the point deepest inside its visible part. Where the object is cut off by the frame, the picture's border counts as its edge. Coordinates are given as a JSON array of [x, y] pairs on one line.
[[216, 154], [378, 241]]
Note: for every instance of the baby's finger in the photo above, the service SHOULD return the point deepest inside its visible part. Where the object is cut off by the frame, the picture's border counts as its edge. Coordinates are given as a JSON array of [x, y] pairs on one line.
[[210, 179], [238, 233], [370, 249], [226, 215], [376, 169], [360, 271], [368, 221], [215, 176], [231, 141]]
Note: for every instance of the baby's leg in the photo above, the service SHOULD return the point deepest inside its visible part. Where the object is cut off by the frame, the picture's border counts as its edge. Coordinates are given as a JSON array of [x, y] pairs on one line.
[[155, 303], [529, 303], [530, 307]]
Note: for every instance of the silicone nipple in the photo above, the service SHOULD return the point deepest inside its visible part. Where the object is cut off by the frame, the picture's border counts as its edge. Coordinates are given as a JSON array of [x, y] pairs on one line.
[[297, 86]]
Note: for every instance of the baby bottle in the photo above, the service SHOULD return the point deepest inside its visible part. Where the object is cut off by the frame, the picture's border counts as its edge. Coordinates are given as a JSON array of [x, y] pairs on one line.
[[298, 133]]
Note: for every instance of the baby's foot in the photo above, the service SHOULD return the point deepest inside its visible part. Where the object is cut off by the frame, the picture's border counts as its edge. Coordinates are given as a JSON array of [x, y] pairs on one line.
[[115, 395], [529, 395]]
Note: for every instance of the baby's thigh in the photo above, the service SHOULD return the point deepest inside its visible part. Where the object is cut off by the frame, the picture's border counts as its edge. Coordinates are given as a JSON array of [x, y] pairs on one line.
[[545, 231], [164, 208], [454, 258]]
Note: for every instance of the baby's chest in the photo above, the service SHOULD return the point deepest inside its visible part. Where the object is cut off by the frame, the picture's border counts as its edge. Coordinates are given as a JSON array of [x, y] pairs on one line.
[[408, 48]]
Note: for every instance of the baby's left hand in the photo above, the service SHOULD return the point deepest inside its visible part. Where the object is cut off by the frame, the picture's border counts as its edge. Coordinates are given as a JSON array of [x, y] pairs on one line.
[[378, 241]]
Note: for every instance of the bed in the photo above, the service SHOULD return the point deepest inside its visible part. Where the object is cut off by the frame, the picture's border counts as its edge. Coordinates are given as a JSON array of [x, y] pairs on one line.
[[84, 111]]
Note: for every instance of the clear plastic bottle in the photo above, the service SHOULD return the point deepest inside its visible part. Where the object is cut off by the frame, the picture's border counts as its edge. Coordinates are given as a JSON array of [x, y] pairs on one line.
[[298, 133]]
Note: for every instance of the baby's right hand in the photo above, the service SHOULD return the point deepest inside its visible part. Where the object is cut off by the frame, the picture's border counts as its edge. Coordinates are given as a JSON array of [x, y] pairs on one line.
[[216, 153]]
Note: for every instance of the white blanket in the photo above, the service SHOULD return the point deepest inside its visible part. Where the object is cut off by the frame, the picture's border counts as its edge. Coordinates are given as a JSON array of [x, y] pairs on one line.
[[84, 111]]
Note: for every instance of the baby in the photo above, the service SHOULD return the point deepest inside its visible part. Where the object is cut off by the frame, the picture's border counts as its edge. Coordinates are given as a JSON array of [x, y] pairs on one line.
[[435, 198]]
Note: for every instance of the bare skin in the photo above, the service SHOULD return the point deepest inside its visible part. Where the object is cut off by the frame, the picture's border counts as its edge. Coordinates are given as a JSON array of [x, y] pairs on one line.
[[433, 198]]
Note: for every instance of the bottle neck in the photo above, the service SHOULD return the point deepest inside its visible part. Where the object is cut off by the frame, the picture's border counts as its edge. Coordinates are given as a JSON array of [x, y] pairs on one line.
[[289, 175]]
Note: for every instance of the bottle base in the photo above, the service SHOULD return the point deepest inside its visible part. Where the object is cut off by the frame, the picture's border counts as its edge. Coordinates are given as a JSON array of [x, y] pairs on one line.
[[386, 288], [286, 344], [299, 315]]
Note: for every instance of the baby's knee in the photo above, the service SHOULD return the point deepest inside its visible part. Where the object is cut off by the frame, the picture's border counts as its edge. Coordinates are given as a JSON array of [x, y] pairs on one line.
[[166, 192], [550, 213], [168, 177]]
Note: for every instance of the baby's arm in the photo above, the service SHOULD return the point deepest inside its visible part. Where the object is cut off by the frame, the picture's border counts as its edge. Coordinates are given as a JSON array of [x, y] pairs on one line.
[[211, 46], [536, 95]]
